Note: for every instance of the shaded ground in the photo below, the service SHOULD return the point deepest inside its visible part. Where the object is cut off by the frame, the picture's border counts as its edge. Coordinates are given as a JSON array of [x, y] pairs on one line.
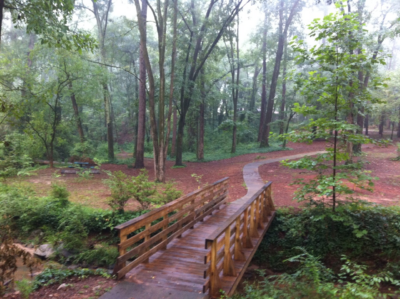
[[93, 192], [91, 287]]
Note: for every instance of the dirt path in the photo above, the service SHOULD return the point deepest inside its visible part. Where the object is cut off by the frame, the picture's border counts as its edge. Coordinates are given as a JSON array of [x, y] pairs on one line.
[[252, 176]]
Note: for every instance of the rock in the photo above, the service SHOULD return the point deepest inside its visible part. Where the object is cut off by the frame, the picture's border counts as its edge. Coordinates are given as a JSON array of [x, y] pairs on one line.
[[65, 253], [62, 286], [44, 251], [73, 267], [96, 288]]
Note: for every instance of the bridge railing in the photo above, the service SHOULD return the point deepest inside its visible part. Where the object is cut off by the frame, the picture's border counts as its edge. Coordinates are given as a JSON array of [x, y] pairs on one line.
[[143, 236], [233, 243]]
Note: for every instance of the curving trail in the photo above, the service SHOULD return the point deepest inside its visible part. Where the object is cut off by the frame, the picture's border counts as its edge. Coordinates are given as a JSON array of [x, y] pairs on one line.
[[253, 179]]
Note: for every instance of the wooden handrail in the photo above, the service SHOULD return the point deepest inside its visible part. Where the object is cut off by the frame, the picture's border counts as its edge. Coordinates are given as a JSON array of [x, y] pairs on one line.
[[236, 240], [143, 236]]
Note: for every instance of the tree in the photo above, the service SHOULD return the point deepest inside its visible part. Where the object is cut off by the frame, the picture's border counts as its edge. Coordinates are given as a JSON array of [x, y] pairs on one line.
[[282, 32], [160, 142], [101, 14], [48, 18], [336, 63], [204, 46], [139, 158]]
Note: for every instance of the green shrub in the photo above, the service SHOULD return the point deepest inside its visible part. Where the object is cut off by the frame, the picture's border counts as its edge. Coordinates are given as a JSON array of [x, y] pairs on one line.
[[72, 230], [25, 287], [359, 229], [50, 276], [124, 188], [314, 280], [60, 193], [13, 157], [102, 255], [84, 149]]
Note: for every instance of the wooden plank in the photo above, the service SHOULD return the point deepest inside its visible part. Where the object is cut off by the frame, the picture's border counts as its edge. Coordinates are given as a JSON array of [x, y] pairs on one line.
[[143, 257], [238, 212]]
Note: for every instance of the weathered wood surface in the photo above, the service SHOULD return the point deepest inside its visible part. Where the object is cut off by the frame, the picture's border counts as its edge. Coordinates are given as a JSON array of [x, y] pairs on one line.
[[173, 255], [232, 246], [142, 237]]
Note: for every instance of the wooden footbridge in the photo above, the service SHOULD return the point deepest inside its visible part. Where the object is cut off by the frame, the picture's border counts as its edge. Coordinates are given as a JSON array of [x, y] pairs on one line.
[[195, 246]]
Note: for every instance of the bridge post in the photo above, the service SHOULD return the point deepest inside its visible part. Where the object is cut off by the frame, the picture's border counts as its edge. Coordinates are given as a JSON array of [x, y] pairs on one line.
[[239, 255], [229, 267]]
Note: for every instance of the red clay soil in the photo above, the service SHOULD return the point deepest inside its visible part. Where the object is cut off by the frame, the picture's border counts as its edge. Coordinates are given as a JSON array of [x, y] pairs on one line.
[[386, 190], [93, 192], [210, 172]]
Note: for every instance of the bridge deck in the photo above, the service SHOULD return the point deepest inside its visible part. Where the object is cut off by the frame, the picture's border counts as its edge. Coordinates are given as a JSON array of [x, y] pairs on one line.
[[181, 266]]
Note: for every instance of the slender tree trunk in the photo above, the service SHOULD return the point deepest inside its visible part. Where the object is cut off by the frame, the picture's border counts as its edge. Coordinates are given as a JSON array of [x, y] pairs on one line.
[[109, 124], [157, 130], [264, 81], [282, 110], [366, 124], [76, 112], [102, 22], [174, 123], [171, 88], [139, 158], [382, 124], [392, 124], [236, 94]]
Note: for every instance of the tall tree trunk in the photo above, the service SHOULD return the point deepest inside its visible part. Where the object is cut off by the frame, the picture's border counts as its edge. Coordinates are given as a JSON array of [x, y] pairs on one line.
[[366, 124], [382, 124], [157, 130], [278, 58], [171, 87], [264, 80], [236, 94], [174, 123], [76, 112], [282, 110], [139, 158], [102, 23]]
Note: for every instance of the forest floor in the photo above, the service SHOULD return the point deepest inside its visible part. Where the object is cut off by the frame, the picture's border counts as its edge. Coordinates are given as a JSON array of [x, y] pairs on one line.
[[93, 192]]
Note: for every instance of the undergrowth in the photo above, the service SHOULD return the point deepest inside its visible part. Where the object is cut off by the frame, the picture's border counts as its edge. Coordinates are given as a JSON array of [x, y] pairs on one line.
[[361, 230]]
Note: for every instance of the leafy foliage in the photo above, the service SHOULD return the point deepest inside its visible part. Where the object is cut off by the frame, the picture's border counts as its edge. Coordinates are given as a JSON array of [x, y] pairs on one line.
[[50, 276], [313, 279], [363, 231], [334, 83], [139, 188], [102, 256]]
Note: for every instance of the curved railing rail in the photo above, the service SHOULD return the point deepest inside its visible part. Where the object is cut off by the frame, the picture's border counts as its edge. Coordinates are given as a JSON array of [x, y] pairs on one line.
[[233, 245], [143, 236]]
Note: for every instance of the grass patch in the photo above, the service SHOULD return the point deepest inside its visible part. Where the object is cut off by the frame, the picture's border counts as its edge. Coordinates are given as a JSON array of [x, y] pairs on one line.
[[222, 154], [178, 166]]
